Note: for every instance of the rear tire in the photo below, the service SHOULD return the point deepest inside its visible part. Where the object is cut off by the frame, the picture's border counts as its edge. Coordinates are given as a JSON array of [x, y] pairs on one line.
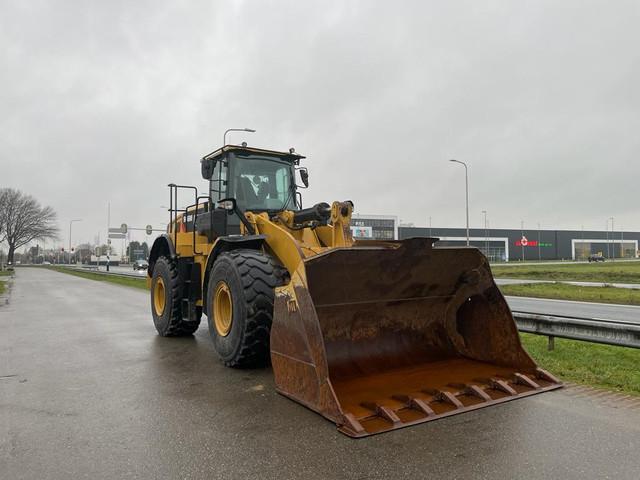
[[166, 301], [240, 297]]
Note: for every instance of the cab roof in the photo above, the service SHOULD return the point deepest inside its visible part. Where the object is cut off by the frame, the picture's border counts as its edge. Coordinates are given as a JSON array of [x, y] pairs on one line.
[[221, 152]]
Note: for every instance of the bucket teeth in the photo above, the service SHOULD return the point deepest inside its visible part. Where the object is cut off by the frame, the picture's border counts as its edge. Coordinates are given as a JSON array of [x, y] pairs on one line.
[[446, 397], [415, 404], [544, 375], [471, 390], [352, 424], [502, 386], [383, 412], [478, 392], [524, 380]]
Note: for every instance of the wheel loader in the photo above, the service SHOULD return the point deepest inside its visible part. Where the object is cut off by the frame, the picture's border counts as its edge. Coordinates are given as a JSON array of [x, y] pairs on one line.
[[373, 335]]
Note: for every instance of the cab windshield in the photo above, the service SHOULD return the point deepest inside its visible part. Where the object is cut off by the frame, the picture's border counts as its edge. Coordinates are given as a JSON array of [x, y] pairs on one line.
[[263, 183]]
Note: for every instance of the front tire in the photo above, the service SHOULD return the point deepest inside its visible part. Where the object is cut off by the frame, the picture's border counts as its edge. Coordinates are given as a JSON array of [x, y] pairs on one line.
[[240, 297], [166, 301]]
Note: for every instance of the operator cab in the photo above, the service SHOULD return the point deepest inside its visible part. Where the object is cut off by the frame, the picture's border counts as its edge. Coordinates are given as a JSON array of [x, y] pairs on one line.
[[260, 180]]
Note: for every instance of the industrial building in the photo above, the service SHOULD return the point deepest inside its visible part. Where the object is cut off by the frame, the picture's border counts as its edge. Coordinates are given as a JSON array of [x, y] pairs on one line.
[[509, 244]]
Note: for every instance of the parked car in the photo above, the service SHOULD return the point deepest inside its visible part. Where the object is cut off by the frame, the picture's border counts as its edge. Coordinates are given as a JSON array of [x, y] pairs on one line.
[[596, 258], [140, 265]]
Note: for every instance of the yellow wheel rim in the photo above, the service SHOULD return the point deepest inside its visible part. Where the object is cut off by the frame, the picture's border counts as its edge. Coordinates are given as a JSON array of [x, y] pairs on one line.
[[222, 309], [158, 297]]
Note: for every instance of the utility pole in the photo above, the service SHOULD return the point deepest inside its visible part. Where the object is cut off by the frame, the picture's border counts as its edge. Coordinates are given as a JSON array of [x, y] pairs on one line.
[[607, 228]]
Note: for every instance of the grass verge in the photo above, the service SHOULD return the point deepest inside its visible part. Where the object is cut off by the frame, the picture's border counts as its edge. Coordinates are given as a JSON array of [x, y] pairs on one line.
[[608, 272], [5, 273], [2, 287], [561, 291], [140, 283], [603, 366]]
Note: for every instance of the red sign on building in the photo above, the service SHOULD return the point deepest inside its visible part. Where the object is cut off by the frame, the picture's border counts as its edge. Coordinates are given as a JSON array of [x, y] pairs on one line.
[[523, 242]]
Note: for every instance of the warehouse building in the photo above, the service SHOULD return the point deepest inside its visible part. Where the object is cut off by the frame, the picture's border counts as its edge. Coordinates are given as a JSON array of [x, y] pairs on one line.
[[378, 227], [509, 244]]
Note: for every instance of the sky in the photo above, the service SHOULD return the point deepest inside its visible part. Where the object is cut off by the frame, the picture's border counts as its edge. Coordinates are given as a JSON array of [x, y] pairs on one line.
[[108, 102]]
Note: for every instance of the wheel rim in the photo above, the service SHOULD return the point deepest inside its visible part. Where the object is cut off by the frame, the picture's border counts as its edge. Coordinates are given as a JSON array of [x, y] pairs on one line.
[[159, 297], [222, 309]]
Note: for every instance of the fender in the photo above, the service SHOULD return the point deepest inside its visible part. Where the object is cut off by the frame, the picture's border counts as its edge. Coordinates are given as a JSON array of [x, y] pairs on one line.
[[162, 246], [226, 244]]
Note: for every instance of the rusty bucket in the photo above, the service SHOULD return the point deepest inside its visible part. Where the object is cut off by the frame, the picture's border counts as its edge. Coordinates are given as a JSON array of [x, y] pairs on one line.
[[386, 335]]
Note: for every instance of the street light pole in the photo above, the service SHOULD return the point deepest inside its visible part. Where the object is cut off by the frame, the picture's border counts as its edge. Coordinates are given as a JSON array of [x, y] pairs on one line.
[[70, 224], [224, 137], [613, 246], [466, 189]]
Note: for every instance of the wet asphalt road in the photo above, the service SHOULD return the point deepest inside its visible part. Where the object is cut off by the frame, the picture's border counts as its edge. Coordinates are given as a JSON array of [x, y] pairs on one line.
[[599, 311], [88, 390]]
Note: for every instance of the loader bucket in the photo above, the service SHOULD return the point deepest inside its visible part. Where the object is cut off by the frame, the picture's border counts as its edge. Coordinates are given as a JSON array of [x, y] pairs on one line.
[[386, 335]]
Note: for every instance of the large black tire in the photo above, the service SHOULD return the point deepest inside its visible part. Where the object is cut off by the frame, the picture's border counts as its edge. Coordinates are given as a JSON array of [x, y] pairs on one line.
[[249, 278], [167, 313]]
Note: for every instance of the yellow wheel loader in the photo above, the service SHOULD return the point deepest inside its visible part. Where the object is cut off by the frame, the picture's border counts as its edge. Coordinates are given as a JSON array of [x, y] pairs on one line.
[[373, 335]]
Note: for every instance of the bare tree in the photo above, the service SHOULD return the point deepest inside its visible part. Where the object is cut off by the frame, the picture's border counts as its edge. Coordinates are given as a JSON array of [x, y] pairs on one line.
[[3, 210], [23, 219]]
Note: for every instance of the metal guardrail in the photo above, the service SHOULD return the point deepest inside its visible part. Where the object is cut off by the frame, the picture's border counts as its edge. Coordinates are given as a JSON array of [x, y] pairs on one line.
[[113, 274], [608, 332]]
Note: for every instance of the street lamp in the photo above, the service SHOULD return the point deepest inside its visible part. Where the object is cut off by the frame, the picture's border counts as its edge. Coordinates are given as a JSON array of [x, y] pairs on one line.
[[70, 224], [613, 245], [466, 185], [224, 137]]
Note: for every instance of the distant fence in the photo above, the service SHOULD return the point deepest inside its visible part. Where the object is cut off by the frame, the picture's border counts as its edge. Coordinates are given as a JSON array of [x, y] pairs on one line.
[[608, 332]]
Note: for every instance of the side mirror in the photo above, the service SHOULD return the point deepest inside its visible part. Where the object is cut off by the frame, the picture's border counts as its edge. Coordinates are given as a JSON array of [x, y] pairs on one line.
[[304, 176], [206, 166], [229, 204]]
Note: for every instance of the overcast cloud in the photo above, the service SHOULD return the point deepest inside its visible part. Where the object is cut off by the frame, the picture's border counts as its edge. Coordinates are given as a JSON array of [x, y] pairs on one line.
[[111, 101]]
